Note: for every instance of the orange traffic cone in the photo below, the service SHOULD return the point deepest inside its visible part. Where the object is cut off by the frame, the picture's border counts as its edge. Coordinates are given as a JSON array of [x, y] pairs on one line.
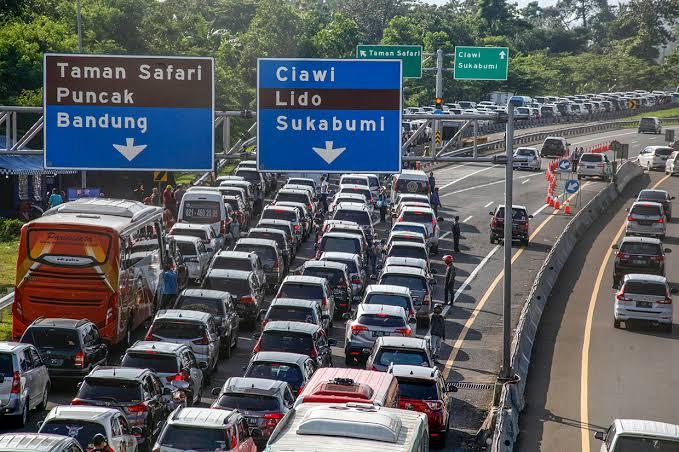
[[557, 203], [547, 199], [550, 201], [567, 207]]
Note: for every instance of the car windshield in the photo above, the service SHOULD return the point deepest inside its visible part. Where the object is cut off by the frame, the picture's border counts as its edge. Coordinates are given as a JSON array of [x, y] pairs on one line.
[[341, 245], [81, 431], [411, 282], [276, 371], [652, 195], [278, 238], [525, 152], [180, 437], [416, 216], [647, 121], [248, 402], [645, 288], [6, 365], [233, 203], [640, 248], [663, 151], [626, 443], [286, 341], [279, 214], [592, 158], [334, 276], [351, 264], [388, 299], [408, 251], [267, 254], [232, 263], [52, 338], [409, 228], [187, 248], [360, 191], [292, 197], [386, 356], [160, 363], [190, 233], [517, 214], [237, 287], [354, 181], [301, 291], [381, 320], [250, 176], [551, 143], [178, 329], [418, 389], [641, 209], [291, 313], [213, 306], [111, 390], [357, 216]]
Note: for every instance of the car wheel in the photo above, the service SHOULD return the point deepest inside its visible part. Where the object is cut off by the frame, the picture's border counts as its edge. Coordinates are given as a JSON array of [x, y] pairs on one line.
[[492, 239], [667, 327], [616, 323], [22, 419], [45, 396]]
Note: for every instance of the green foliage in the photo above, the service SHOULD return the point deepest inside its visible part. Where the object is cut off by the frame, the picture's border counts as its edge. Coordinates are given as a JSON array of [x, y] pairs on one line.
[[9, 229], [338, 39]]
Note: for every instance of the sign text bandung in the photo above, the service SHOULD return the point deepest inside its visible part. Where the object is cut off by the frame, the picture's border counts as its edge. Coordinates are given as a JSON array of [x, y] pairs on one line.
[[329, 115], [128, 112], [481, 63], [411, 56]]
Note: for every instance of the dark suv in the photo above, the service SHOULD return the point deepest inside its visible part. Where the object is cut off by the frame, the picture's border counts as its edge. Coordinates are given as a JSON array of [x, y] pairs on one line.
[[638, 255], [660, 196], [241, 284], [296, 337], [520, 224], [69, 348], [138, 393]]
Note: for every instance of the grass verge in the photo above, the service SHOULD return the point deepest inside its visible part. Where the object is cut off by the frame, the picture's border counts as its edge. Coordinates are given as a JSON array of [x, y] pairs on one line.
[[669, 113], [8, 257]]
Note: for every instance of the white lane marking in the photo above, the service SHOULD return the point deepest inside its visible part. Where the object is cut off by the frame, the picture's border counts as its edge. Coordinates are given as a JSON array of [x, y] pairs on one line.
[[606, 136], [444, 235], [525, 182], [466, 176], [634, 142], [468, 218], [491, 202], [502, 181], [467, 281]]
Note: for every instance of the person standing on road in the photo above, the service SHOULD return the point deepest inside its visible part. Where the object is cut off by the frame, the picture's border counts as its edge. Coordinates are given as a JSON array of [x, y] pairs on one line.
[[432, 182], [382, 204], [169, 285], [435, 201], [437, 325], [99, 444], [139, 193], [456, 234], [155, 197], [575, 158], [325, 189], [55, 199], [449, 288]]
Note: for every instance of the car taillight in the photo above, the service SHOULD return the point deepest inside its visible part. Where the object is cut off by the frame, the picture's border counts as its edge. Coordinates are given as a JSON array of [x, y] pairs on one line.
[[314, 353], [433, 222], [355, 280], [411, 313], [77, 401], [400, 220], [296, 227], [247, 299], [272, 419], [275, 266], [355, 329], [667, 300], [258, 346], [630, 218], [80, 359], [182, 375], [661, 220], [622, 255], [222, 227], [308, 206], [621, 297], [435, 405], [138, 408], [426, 299], [202, 341], [657, 258], [149, 336], [493, 223], [404, 331], [324, 302], [16, 383]]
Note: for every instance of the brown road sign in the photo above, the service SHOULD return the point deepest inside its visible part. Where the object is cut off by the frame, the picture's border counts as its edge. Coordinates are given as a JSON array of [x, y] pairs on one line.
[[160, 176], [632, 104]]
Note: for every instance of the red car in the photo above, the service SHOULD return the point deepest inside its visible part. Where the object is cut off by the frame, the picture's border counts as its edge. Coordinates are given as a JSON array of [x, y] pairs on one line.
[[423, 389]]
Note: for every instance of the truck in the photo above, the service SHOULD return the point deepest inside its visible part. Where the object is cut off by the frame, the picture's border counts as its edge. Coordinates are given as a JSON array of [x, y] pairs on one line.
[[500, 97]]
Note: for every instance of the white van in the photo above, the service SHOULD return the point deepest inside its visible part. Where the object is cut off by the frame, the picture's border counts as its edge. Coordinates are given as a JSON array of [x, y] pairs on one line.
[[639, 435], [321, 427], [370, 181], [410, 181], [204, 207]]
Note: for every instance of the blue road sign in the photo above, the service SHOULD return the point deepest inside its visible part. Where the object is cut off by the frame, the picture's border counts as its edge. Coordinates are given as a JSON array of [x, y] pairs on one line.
[[572, 186], [108, 112], [564, 165], [329, 116]]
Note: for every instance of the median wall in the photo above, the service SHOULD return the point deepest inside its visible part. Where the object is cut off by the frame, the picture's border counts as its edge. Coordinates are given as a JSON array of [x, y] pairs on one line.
[[504, 419]]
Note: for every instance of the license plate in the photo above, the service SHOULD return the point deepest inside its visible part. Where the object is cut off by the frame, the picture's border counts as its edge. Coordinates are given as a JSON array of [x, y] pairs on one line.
[[639, 261], [379, 333], [644, 304], [590, 167], [252, 421], [646, 223], [56, 362]]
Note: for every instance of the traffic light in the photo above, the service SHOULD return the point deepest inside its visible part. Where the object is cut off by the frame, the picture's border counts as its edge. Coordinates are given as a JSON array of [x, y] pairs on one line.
[[438, 103]]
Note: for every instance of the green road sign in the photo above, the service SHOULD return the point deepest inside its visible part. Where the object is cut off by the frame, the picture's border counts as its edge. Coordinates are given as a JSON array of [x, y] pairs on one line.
[[481, 63], [410, 55]]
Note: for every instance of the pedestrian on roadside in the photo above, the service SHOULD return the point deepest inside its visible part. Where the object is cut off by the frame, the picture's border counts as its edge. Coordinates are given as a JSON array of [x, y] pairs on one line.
[[155, 197], [139, 193], [179, 194], [456, 234], [449, 287], [168, 197], [575, 158], [99, 444], [437, 326], [168, 219], [382, 204], [234, 229], [435, 201], [432, 182], [325, 190], [55, 199], [169, 285]]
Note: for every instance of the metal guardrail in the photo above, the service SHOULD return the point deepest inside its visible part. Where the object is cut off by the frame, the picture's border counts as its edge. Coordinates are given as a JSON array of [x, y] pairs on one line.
[[6, 316]]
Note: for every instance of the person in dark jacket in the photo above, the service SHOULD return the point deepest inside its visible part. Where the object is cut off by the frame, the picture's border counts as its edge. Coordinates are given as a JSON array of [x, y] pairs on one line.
[[456, 234], [438, 330], [449, 288], [432, 182], [435, 201]]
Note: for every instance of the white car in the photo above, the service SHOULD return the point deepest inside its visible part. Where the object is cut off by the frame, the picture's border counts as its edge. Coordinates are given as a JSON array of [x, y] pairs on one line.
[[195, 254], [655, 157], [213, 242], [672, 164], [636, 434], [533, 163], [644, 297], [83, 422], [594, 165], [646, 218], [426, 217]]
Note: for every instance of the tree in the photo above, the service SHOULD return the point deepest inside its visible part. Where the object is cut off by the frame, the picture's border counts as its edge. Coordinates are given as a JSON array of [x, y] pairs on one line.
[[402, 30], [373, 16], [338, 39], [494, 16]]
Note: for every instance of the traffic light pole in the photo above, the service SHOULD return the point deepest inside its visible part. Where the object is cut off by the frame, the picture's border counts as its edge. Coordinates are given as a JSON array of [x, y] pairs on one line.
[[439, 95]]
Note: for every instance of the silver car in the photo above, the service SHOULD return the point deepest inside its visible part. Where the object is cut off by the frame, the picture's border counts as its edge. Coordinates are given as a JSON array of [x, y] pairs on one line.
[[419, 283], [594, 165], [644, 297], [192, 328], [532, 156], [196, 256], [369, 322], [355, 267], [24, 381], [646, 218]]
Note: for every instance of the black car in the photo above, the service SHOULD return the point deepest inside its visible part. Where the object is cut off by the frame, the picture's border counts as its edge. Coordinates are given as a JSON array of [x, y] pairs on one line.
[[520, 224], [297, 337], [222, 307], [277, 236], [138, 393], [339, 281], [650, 124], [638, 255], [660, 196], [70, 348], [241, 284]]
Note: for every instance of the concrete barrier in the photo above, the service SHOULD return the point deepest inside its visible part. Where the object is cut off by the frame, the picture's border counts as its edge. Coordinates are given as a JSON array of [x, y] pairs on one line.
[[504, 418]]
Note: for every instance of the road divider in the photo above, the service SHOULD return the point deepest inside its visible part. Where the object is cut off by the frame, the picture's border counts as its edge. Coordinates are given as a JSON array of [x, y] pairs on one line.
[[503, 420]]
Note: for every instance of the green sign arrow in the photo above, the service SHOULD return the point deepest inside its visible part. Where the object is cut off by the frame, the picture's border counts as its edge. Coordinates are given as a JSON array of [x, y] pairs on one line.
[[411, 56], [481, 63]]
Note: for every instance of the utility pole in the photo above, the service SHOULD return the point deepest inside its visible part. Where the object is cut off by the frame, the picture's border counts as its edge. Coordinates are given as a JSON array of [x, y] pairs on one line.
[[506, 371], [83, 175], [439, 95]]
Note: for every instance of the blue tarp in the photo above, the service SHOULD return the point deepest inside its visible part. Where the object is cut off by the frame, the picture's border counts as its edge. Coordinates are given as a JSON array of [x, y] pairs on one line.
[[25, 164]]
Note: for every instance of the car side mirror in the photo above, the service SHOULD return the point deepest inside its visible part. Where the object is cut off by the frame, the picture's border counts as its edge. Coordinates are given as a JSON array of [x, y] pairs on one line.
[[432, 281], [451, 387], [215, 391], [440, 219], [615, 247], [202, 365], [490, 213], [671, 197], [667, 250], [210, 249], [530, 217], [599, 435]]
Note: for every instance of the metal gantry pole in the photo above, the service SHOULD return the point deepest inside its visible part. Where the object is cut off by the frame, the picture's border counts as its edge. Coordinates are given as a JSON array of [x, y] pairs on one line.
[[505, 371], [83, 175]]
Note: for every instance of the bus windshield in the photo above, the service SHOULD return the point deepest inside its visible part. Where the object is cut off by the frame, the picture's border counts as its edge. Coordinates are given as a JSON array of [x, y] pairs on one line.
[[68, 247]]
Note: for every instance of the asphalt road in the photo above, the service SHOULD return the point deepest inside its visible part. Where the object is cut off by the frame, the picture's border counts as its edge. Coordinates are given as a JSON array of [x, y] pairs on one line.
[[473, 346], [585, 373]]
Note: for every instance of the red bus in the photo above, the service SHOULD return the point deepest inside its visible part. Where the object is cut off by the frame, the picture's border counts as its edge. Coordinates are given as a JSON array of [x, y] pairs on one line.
[[94, 258]]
